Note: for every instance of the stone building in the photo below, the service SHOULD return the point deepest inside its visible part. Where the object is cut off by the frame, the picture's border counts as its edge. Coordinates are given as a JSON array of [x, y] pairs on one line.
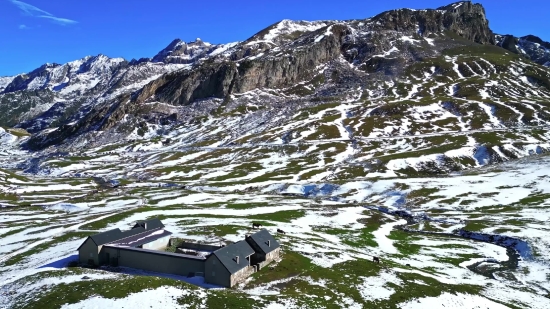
[[148, 234], [266, 247], [142, 247], [229, 265]]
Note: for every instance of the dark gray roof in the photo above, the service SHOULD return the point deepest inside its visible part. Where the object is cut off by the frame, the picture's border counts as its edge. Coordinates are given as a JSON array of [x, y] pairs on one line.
[[151, 224], [264, 240], [227, 255], [106, 237], [145, 237], [116, 234]]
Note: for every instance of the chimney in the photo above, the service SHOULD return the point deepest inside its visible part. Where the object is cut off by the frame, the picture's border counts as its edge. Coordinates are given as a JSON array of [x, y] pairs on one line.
[[145, 225], [237, 259], [269, 243]]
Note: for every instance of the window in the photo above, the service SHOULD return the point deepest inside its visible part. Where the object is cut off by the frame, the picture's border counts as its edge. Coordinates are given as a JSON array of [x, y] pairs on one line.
[[213, 274]]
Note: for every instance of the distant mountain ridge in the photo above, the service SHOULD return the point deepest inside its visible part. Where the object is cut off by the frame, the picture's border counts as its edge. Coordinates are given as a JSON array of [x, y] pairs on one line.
[[54, 92], [529, 46]]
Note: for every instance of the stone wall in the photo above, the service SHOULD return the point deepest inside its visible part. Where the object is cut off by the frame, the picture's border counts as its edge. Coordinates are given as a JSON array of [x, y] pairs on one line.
[[150, 260], [241, 275]]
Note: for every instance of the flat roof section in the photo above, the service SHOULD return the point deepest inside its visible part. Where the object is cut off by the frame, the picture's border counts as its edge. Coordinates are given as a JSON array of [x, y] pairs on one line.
[[141, 238]]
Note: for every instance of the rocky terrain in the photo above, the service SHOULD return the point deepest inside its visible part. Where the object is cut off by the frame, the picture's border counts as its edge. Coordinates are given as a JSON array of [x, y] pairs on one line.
[[407, 135]]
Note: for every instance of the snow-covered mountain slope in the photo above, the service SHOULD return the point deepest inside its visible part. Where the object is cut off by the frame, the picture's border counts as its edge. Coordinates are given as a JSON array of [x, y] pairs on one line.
[[530, 47], [5, 81], [431, 96], [79, 75], [402, 136], [181, 52], [54, 93]]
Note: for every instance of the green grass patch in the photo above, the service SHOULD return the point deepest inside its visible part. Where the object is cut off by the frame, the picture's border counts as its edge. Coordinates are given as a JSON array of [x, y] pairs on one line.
[[281, 216], [72, 293]]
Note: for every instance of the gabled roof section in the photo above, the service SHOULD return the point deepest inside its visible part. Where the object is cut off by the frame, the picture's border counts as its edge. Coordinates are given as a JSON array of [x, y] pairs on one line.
[[150, 224], [150, 230], [145, 237], [228, 256], [82, 244], [106, 237], [264, 240]]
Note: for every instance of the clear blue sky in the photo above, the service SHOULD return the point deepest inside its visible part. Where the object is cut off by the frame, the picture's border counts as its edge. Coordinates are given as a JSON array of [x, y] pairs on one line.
[[33, 32]]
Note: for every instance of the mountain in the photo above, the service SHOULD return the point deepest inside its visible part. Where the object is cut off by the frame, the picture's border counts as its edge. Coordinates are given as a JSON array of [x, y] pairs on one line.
[[403, 136], [184, 53], [529, 46], [53, 93], [403, 73]]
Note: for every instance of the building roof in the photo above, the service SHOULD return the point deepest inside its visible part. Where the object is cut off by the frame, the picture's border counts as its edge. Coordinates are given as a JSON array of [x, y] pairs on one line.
[[227, 256], [115, 235], [146, 236], [150, 224], [156, 252], [264, 240], [106, 237]]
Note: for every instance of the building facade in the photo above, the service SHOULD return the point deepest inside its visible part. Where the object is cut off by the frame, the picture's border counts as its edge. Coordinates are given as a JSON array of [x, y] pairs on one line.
[[140, 248]]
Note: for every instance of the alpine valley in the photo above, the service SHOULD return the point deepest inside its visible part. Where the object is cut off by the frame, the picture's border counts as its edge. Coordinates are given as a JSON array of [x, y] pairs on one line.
[[416, 136]]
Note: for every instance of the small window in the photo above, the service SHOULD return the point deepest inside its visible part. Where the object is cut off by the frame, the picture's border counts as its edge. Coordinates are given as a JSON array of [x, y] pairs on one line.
[[91, 255], [213, 274]]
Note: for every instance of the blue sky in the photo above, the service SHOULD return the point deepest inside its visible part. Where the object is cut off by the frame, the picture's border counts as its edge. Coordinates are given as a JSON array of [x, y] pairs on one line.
[[34, 32]]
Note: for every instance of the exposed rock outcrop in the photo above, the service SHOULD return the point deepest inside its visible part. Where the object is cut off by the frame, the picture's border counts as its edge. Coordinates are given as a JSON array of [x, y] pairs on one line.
[[292, 61], [529, 46], [221, 78], [464, 18]]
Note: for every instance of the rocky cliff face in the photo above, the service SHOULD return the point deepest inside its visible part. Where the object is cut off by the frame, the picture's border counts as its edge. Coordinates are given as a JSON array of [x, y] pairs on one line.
[[291, 56], [530, 47], [219, 77], [297, 62], [183, 53], [464, 18]]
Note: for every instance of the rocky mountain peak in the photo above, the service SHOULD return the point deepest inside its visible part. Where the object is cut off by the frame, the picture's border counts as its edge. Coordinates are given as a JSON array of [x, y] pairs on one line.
[[529, 46], [290, 62], [180, 52], [535, 39], [461, 7], [286, 30], [463, 18]]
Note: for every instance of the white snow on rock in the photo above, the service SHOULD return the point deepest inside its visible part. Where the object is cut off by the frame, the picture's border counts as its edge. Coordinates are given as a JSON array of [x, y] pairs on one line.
[[287, 26], [5, 81]]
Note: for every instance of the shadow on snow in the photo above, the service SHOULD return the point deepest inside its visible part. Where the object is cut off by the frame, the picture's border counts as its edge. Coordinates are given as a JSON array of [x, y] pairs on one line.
[[198, 281], [62, 263]]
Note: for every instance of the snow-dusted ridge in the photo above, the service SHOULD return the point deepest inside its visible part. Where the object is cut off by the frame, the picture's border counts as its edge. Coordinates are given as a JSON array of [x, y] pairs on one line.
[[322, 129]]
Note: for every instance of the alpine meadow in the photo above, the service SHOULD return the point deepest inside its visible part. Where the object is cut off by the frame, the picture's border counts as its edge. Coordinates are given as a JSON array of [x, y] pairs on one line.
[[400, 161]]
